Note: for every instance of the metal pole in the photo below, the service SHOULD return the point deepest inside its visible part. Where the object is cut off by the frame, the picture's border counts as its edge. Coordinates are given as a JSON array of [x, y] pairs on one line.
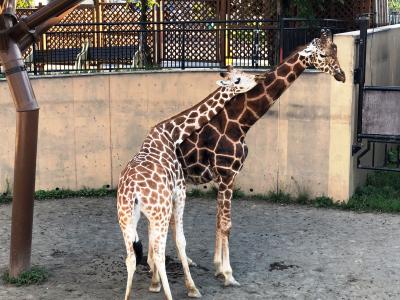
[[27, 121], [25, 150]]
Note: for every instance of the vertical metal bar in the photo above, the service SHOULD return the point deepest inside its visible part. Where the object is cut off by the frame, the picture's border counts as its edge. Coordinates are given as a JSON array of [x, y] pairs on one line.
[[385, 159], [34, 59], [373, 154], [280, 37], [398, 156], [109, 47], [362, 56], [183, 47]]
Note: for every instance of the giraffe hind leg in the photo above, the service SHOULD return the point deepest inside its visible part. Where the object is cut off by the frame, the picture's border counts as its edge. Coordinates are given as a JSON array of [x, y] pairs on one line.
[[130, 236], [158, 239], [155, 286]]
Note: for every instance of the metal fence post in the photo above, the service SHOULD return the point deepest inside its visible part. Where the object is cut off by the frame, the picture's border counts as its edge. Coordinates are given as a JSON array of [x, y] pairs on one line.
[[109, 47], [281, 24], [34, 59], [256, 46], [183, 46], [360, 78]]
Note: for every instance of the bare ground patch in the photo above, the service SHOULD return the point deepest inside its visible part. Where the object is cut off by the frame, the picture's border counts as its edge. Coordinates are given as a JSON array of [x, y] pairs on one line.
[[277, 252]]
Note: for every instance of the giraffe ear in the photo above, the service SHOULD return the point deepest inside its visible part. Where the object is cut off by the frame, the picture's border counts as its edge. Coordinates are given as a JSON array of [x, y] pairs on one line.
[[223, 74], [326, 36], [229, 68]]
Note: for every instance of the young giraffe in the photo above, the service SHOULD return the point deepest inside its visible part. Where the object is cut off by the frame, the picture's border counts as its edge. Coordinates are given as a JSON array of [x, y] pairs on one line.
[[153, 183], [218, 150]]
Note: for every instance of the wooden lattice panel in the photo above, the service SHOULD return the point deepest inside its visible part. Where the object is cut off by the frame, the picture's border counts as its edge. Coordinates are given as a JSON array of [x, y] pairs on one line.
[[73, 36], [199, 46], [348, 11], [189, 10], [200, 41], [25, 12], [125, 34]]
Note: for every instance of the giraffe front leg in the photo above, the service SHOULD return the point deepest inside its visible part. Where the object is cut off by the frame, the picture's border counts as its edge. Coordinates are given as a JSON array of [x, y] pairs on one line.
[[180, 241], [224, 224], [172, 224]]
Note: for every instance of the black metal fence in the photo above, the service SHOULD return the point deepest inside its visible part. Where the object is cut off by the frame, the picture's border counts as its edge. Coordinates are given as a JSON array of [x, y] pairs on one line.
[[73, 48]]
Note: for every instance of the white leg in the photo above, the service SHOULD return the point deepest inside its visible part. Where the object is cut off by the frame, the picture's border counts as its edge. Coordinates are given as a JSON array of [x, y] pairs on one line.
[[155, 286], [131, 268], [158, 237], [128, 228], [221, 257], [218, 253]]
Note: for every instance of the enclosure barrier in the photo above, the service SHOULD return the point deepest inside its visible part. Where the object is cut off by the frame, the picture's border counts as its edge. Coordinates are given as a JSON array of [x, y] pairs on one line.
[[94, 47], [378, 121]]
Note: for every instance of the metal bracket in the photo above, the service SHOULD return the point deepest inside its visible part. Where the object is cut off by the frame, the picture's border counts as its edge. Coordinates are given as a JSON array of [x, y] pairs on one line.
[[355, 148], [14, 70], [357, 76]]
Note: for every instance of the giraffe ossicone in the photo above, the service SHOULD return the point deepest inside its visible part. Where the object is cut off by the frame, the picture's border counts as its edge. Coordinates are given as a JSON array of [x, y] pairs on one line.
[[218, 150], [153, 183]]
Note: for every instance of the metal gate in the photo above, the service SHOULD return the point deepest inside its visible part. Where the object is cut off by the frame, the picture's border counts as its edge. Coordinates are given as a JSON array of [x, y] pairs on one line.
[[378, 120]]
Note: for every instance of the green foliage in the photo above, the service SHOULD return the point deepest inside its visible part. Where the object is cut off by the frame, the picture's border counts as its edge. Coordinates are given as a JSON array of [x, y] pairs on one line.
[[394, 5], [24, 3], [324, 201], [66, 193], [279, 197], [308, 8], [36, 275], [139, 3], [380, 194], [6, 197]]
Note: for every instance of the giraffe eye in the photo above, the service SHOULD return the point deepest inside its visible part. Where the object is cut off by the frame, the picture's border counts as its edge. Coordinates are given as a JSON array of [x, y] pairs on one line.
[[323, 55], [237, 81]]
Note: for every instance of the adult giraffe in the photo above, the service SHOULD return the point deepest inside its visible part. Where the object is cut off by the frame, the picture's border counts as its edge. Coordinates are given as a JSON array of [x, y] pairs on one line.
[[218, 150]]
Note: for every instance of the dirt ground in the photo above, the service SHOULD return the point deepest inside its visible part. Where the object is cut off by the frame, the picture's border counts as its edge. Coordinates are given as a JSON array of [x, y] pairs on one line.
[[277, 252]]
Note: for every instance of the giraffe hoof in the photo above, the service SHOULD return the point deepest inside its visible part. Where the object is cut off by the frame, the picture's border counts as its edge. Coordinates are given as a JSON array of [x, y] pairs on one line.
[[218, 274], [191, 263], [231, 282], [155, 287], [194, 293]]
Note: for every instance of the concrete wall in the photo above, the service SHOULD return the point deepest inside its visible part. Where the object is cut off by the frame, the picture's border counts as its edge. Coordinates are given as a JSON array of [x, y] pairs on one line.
[[91, 125]]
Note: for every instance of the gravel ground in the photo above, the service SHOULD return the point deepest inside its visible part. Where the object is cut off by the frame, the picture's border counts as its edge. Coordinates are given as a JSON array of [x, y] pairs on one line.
[[277, 252]]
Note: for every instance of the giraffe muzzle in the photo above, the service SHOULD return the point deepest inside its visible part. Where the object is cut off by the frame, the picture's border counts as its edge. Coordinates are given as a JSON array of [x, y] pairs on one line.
[[340, 76]]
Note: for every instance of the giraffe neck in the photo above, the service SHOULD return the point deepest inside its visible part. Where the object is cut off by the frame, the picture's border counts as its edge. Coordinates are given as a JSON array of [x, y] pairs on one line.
[[261, 98], [185, 123]]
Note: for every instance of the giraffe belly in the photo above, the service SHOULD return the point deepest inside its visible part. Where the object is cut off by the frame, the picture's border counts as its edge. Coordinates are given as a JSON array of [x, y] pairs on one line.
[[198, 174]]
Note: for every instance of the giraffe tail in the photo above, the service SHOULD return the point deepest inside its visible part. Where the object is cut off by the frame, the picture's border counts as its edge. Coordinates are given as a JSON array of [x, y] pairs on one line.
[[137, 244], [138, 248]]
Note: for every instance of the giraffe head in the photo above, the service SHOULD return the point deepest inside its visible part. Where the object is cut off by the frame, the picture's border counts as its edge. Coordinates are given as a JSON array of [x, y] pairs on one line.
[[321, 53], [237, 81]]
